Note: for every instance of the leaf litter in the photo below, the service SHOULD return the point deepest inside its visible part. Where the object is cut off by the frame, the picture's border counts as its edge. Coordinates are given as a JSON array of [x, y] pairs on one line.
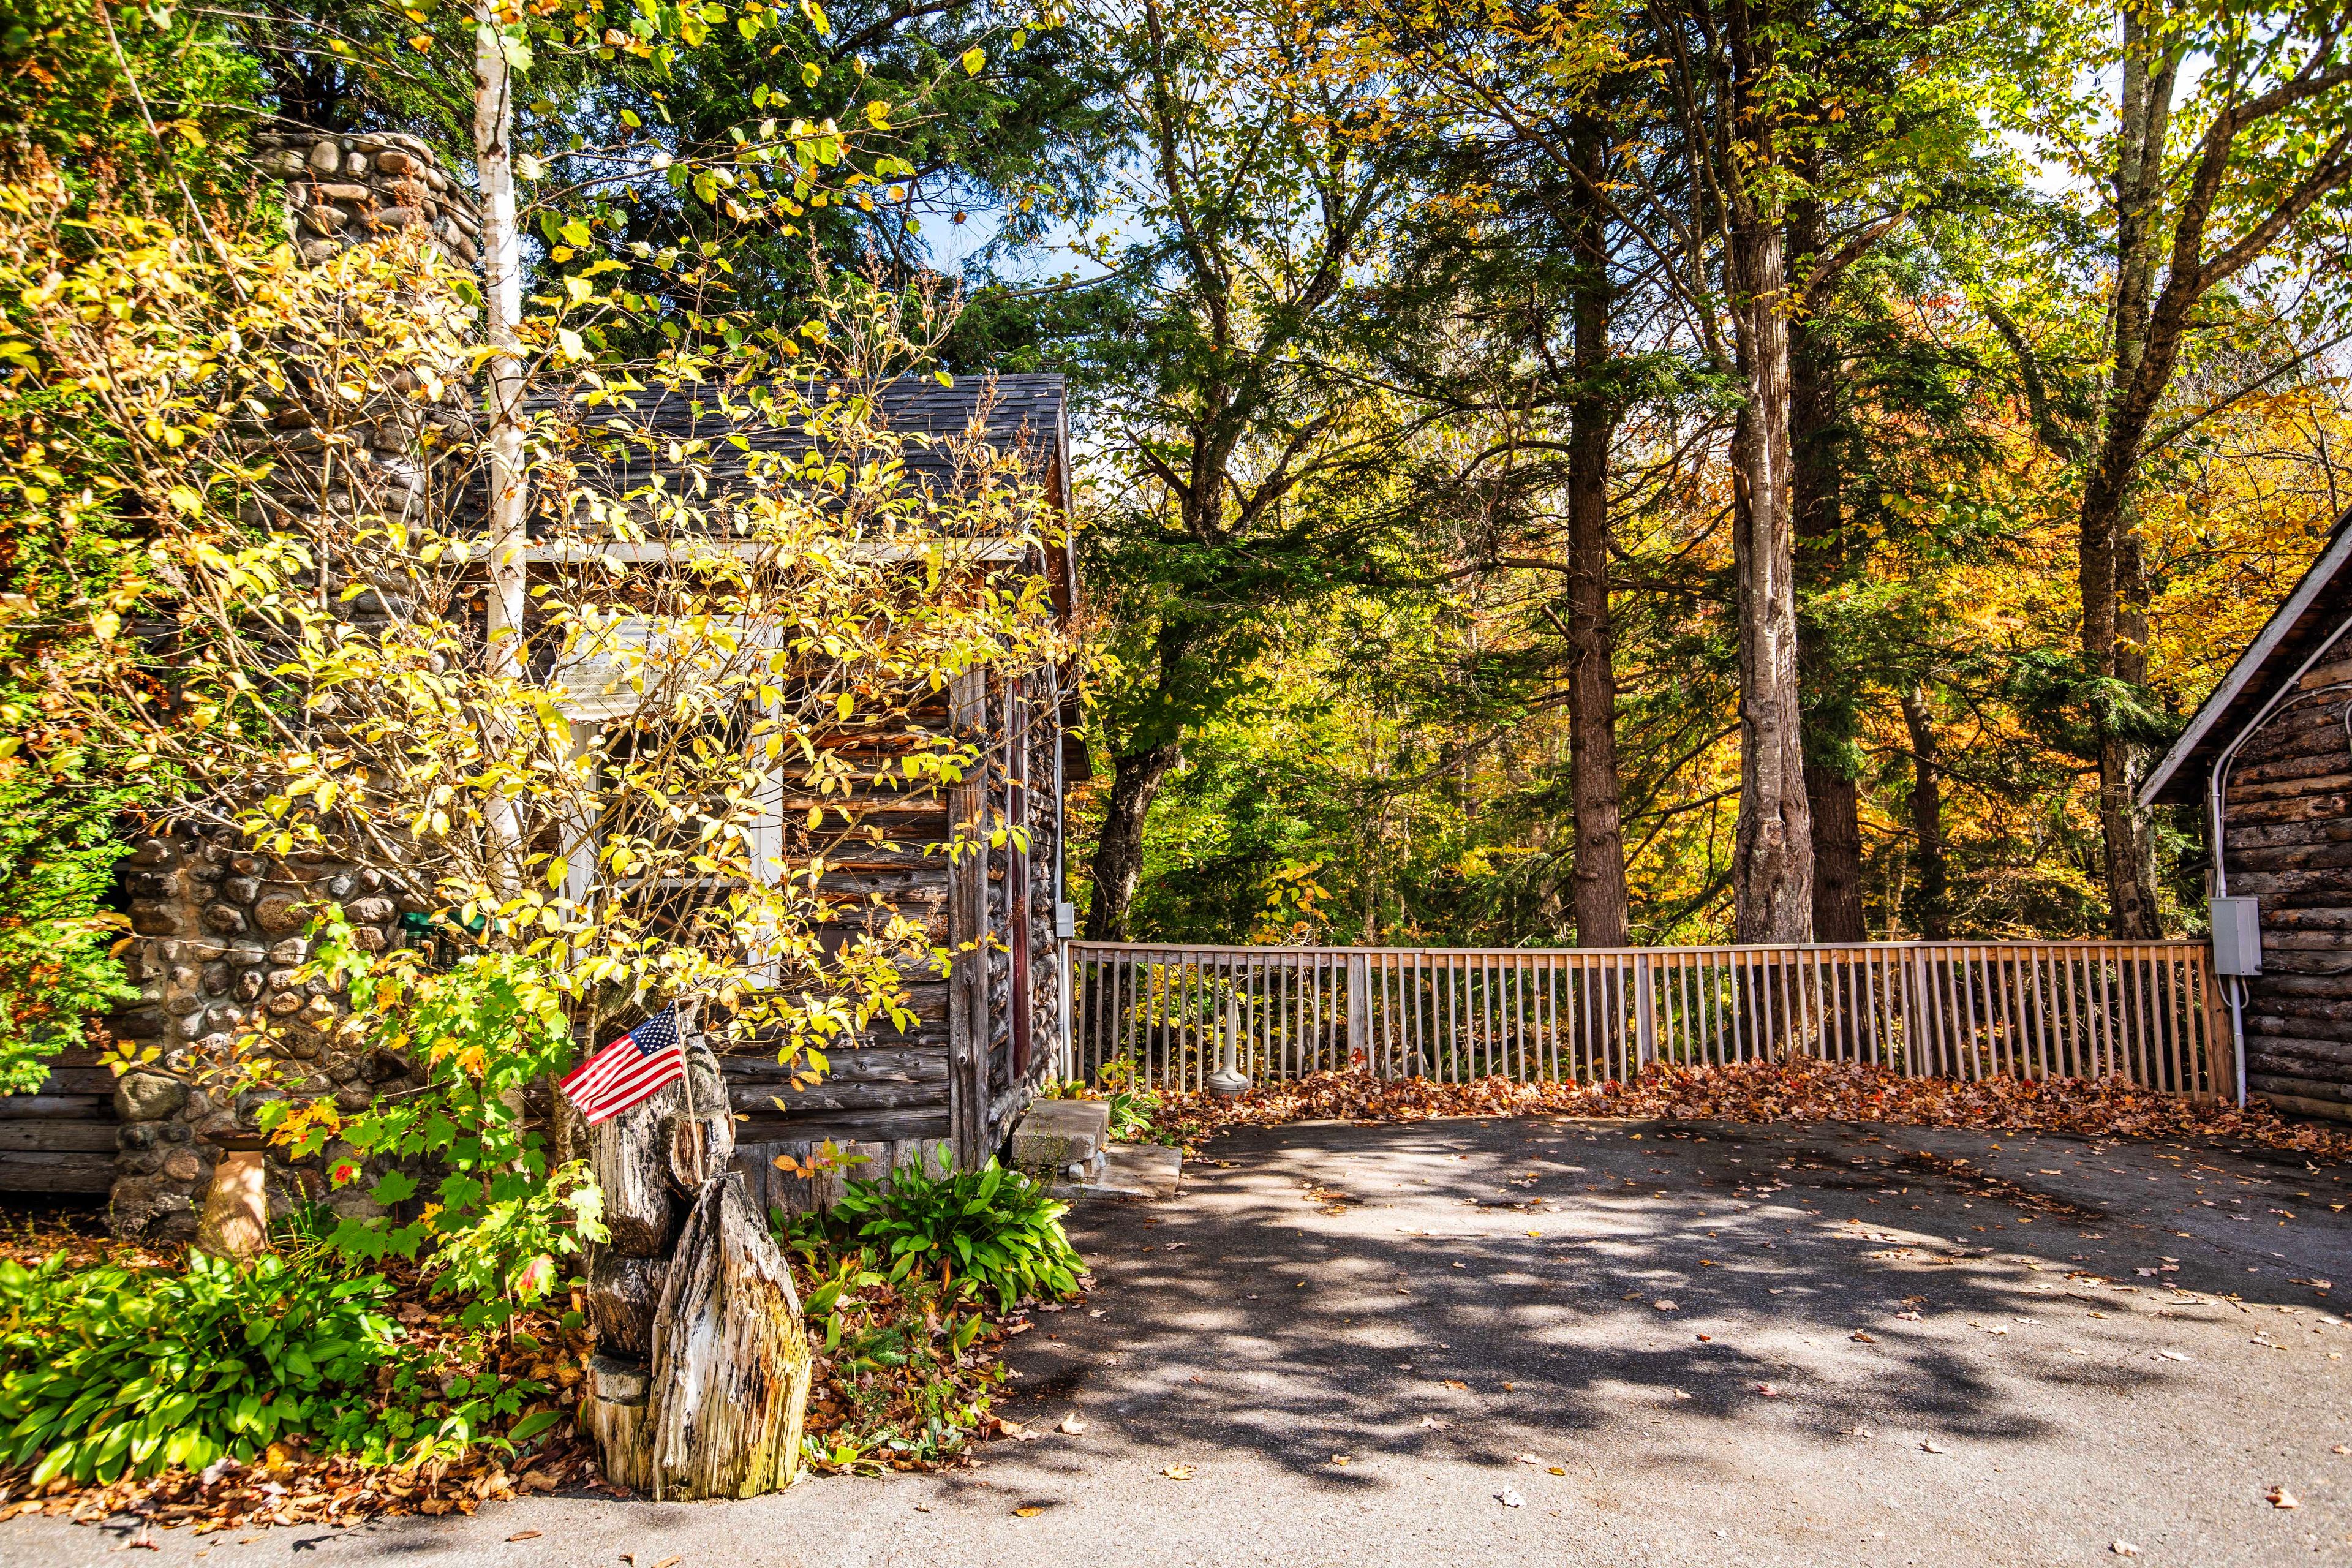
[[1802, 1090]]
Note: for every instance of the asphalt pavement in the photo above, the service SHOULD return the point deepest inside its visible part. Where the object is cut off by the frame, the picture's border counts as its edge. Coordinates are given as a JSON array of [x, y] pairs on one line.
[[1560, 1343]]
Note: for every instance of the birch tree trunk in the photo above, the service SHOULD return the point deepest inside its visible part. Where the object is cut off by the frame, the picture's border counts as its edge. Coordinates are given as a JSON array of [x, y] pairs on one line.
[[507, 542]]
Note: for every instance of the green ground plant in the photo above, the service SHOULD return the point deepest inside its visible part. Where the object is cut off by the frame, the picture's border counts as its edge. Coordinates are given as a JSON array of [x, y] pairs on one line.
[[114, 1371], [118, 1370], [994, 1230]]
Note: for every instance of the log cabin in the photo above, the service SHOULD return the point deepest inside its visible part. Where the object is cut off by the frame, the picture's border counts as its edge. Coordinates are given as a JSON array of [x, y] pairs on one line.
[[2269, 759], [219, 929]]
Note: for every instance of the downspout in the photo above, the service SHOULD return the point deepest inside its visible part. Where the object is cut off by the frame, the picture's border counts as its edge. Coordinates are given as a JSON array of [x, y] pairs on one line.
[[2216, 793]]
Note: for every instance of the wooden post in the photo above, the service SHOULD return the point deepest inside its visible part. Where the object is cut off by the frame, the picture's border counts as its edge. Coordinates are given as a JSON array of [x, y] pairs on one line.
[[968, 1021], [2221, 1049], [1359, 1005], [1646, 1017]]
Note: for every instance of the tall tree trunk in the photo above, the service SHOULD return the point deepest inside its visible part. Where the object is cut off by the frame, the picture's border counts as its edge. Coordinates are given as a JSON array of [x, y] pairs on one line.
[[2129, 836], [1935, 900], [1832, 799], [1773, 857], [501, 246], [1118, 852], [2144, 113], [1600, 868]]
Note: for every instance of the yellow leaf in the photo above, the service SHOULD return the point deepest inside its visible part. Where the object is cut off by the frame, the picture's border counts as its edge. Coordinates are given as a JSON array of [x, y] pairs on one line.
[[973, 60], [877, 114]]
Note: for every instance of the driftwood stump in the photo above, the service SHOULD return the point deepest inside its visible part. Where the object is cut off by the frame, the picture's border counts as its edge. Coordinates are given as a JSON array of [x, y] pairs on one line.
[[701, 1374]]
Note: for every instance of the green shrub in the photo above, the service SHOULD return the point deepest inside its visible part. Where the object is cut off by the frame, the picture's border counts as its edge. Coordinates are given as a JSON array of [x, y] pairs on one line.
[[111, 1370], [994, 1230]]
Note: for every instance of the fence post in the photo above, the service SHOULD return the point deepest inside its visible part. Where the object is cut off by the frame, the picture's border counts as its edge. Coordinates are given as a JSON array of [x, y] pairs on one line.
[[1646, 1017], [1359, 1007], [2220, 1053]]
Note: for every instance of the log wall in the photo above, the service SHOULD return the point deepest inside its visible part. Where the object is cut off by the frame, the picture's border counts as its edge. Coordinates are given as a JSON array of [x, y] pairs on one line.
[[2289, 844], [951, 1085], [61, 1138]]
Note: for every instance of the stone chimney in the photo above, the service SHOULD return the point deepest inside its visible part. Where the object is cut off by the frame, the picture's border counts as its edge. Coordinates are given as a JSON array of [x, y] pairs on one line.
[[343, 190], [218, 928]]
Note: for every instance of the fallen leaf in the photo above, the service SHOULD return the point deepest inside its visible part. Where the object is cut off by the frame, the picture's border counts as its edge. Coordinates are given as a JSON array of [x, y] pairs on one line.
[[1557, 1471], [1664, 1306], [1178, 1472], [2123, 1548], [1527, 1459], [1027, 1513], [524, 1535], [1074, 1424], [1456, 1383], [1509, 1498], [1014, 1430], [2172, 1355], [2340, 1448], [1865, 1338], [1437, 1421], [2279, 1497], [1340, 1458], [1928, 1446], [1768, 1391]]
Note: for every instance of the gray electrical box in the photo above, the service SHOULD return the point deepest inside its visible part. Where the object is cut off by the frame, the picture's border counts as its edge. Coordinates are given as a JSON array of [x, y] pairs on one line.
[[2237, 936], [1065, 920]]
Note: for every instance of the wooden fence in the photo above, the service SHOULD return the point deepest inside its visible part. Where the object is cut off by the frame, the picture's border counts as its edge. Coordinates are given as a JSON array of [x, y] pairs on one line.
[[2146, 1011]]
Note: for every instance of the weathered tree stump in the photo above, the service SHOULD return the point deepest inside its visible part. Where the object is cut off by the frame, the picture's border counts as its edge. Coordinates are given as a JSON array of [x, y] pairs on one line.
[[624, 1295], [731, 1363], [701, 1375], [615, 1414]]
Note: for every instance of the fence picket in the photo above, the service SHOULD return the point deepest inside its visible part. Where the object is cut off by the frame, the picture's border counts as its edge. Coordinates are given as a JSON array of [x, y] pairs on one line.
[[1957, 1009]]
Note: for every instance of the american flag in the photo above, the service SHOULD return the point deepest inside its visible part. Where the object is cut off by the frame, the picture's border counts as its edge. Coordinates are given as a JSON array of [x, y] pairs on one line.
[[624, 1072]]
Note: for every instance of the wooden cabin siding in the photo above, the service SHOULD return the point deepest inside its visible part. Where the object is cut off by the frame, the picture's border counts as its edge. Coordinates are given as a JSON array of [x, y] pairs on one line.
[[61, 1138], [965, 1069], [2289, 844], [888, 1084]]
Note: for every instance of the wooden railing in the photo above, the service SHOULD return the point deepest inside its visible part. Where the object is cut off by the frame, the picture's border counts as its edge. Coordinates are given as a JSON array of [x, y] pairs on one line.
[[2149, 1011]]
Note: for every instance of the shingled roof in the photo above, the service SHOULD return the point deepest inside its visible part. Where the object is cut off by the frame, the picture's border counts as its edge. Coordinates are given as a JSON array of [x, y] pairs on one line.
[[1021, 414]]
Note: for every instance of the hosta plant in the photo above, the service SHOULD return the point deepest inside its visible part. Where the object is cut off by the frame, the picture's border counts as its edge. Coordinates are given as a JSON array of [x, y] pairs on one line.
[[995, 1230]]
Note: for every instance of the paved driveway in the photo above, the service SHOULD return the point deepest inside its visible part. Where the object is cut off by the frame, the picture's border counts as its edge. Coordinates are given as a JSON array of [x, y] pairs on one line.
[[1532, 1342]]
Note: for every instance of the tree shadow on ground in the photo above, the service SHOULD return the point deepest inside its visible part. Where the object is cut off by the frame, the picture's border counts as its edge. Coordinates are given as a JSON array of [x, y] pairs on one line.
[[1374, 1291]]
